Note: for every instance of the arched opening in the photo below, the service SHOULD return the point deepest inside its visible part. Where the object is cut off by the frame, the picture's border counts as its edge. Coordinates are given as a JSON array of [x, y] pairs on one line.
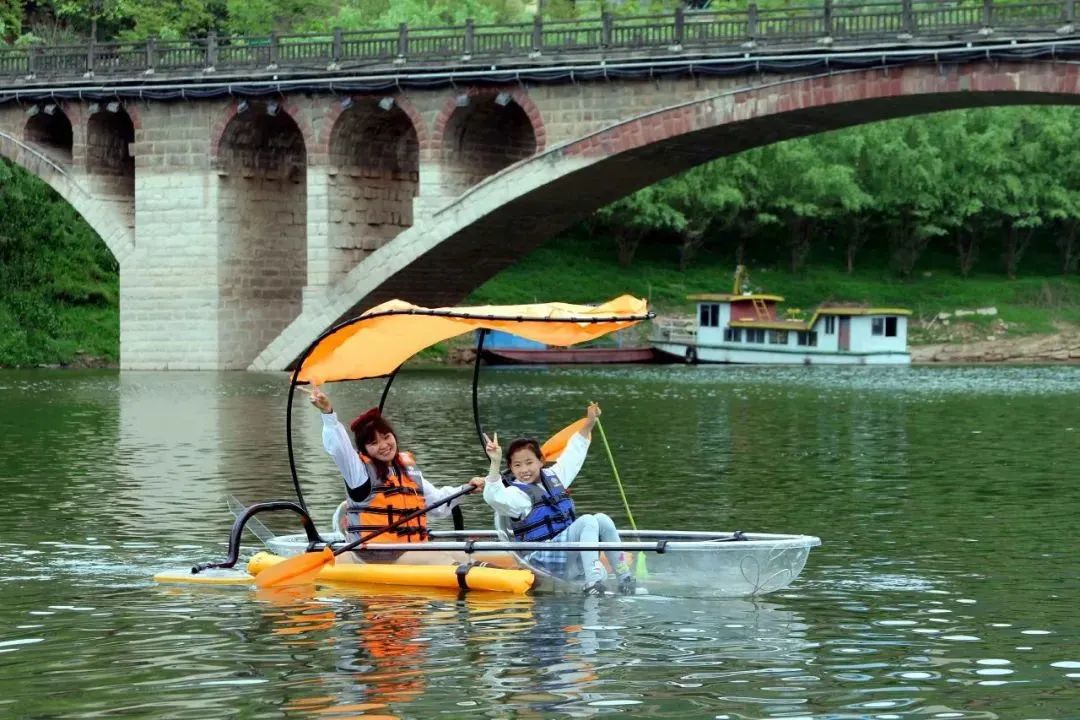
[[109, 134], [49, 129], [374, 176], [262, 229], [484, 134]]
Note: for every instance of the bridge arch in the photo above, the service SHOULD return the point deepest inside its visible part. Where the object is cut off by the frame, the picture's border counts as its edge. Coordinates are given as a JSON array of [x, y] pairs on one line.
[[261, 163], [110, 131], [373, 151], [483, 130], [49, 128], [111, 227], [544, 194]]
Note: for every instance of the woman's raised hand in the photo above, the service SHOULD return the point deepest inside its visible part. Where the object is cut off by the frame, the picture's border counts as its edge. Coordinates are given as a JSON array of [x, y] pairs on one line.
[[491, 446], [320, 400], [593, 412]]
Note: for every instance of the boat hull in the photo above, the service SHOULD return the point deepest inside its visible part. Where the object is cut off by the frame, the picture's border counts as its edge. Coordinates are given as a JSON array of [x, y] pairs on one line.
[[676, 564], [516, 581], [693, 353], [568, 356]]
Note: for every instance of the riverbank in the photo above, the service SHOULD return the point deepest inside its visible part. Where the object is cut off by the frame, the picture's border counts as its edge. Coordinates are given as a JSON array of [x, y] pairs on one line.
[[1062, 346]]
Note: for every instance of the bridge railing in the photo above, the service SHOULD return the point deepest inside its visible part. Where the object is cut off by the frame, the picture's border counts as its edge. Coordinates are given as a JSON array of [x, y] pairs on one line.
[[827, 22]]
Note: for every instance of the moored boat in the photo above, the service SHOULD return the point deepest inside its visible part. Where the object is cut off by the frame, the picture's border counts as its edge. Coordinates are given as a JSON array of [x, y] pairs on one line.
[[500, 348], [569, 356], [745, 327]]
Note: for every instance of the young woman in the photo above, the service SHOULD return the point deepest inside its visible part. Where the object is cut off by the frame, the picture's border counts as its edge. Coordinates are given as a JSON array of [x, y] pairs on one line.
[[383, 484], [538, 509]]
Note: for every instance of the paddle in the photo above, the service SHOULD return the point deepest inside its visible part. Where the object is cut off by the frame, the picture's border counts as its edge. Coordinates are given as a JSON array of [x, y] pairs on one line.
[[640, 570], [556, 444], [304, 567]]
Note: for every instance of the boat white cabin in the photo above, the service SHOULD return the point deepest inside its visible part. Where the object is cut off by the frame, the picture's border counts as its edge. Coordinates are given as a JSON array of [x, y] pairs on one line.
[[745, 328]]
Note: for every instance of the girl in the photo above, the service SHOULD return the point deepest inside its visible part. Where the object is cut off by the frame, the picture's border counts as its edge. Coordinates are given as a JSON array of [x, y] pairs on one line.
[[382, 485], [538, 508]]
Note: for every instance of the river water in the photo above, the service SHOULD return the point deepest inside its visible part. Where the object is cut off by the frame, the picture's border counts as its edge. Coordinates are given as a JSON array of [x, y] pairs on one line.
[[947, 584]]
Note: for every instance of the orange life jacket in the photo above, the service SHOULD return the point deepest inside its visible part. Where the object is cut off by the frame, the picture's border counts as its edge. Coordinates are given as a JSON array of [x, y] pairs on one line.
[[391, 499]]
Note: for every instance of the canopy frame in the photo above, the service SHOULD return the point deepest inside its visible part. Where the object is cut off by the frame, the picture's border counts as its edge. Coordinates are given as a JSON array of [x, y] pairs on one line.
[[294, 380]]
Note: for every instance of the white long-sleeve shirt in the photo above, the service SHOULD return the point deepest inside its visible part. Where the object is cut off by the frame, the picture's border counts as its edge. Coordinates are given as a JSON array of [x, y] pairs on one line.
[[337, 443], [513, 503]]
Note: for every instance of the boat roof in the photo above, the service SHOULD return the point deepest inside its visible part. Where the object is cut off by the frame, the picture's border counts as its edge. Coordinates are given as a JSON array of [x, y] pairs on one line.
[[377, 342], [851, 310], [730, 297], [808, 324]]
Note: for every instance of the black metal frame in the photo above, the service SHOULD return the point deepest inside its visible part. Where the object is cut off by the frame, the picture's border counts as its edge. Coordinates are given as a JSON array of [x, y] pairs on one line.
[[314, 539], [299, 364], [300, 508]]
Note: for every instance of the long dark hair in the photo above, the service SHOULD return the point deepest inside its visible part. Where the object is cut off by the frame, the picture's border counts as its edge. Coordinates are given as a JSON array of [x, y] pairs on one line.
[[366, 433]]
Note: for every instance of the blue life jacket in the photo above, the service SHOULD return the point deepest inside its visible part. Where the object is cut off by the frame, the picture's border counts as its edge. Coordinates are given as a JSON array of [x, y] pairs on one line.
[[552, 509]]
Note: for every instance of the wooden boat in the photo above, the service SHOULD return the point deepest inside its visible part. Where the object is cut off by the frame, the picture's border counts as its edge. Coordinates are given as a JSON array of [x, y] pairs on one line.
[[680, 563], [568, 356]]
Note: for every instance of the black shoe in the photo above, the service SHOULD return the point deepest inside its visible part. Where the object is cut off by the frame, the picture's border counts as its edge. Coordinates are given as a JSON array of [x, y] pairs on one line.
[[627, 585], [597, 589]]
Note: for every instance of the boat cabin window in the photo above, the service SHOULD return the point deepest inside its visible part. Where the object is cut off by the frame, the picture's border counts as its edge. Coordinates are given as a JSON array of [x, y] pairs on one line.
[[808, 339], [732, 334], [830, 324], [884, 326], [755, 335], [709, 315], [778, 337]]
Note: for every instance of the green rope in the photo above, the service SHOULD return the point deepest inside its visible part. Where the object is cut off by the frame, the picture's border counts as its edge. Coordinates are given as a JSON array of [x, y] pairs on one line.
[[640, 570]]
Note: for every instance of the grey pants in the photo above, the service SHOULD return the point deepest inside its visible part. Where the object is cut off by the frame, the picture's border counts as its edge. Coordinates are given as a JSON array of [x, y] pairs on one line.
[[589, 529]]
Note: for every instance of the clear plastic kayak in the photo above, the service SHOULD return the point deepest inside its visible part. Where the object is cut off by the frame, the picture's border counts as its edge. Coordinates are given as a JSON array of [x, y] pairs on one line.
[[676, 563]]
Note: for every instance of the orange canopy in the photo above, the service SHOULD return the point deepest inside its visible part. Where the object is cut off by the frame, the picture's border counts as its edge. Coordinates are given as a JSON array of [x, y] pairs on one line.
[[389, 334]]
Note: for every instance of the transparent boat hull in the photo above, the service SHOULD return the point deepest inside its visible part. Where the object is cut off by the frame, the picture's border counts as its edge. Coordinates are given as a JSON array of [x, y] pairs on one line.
[[677, 564]]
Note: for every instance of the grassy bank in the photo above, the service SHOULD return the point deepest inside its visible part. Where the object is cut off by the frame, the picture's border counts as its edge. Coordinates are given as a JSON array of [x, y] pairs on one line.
[[59, 284]]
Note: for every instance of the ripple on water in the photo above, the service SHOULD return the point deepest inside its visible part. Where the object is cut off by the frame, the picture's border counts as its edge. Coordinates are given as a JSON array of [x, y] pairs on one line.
[[885, 466]]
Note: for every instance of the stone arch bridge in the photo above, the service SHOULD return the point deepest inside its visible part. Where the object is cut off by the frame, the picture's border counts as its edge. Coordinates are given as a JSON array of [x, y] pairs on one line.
[[247, 221]]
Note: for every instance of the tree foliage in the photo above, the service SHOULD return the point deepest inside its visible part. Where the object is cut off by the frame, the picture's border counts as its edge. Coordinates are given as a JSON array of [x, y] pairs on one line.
[[988, 184], [51, 266]]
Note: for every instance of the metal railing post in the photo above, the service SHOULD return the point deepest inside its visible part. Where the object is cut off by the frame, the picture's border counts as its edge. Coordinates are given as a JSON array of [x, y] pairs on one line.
[[339, 44], [90, 51], [470, 38], [988, 14], [827, 18], [273, 60], [751, 23], [211, 50], [605, 29], [537, 35], [1070, 12], [907, 11], [679, 32], [402, 41], [151, 53], [31, 61]]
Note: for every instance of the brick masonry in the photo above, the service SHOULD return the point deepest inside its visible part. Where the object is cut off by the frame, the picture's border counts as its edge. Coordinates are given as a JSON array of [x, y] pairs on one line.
[[243, 231]]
